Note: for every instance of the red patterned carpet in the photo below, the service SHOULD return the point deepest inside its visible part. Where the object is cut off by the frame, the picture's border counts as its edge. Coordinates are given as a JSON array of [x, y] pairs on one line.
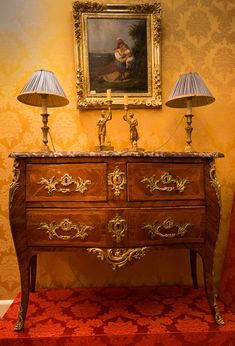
[[149, 316]]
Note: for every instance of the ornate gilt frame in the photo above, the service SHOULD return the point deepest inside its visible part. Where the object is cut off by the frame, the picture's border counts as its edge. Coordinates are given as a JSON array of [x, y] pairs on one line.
[[148, 13]]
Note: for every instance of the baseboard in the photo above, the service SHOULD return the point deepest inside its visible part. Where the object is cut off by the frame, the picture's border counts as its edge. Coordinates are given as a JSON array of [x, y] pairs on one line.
[[4, 305]]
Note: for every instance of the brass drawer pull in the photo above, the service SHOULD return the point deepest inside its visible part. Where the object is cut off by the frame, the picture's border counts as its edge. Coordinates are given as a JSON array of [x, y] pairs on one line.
[[66, 180], [152, 183], [66, 226], [167, 224]]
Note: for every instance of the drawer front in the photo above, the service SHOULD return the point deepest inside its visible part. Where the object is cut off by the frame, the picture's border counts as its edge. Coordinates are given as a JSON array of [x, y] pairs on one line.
[[66, 182], [65, 227], [159, 226], [170, 225], [161, 181], [114, 227]]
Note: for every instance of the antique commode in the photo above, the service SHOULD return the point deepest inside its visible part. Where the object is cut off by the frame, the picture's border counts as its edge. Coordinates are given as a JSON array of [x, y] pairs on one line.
[[117, 206]]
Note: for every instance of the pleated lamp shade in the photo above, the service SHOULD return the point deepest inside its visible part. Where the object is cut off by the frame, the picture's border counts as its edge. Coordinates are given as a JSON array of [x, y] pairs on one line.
[[43, 84], [189, 86], [43, 90], [189, 91]]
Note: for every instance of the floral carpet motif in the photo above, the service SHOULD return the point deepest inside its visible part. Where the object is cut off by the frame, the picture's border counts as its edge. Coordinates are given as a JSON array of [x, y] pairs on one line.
[[142, 316]]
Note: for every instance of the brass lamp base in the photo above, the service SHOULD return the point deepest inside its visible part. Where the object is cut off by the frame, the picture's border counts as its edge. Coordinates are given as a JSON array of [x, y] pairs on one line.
[[189, 148], [45, 149], [45, 130], [189, 129]]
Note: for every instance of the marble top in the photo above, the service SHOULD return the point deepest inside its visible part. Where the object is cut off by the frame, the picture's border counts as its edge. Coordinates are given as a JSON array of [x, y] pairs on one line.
[[116, 154]]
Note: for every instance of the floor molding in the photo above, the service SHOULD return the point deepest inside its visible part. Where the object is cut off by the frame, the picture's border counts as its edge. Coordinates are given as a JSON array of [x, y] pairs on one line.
[[4, 305]]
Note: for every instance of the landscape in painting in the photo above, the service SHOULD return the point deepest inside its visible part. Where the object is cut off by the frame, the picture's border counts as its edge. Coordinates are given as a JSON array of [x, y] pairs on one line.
[[117, 55]]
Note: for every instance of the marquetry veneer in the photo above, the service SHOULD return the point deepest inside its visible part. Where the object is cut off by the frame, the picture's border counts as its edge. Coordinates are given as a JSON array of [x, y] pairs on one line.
[[117, 206]]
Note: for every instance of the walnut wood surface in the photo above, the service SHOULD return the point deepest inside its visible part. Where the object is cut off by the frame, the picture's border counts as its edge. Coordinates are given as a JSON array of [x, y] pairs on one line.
[[36, 214]]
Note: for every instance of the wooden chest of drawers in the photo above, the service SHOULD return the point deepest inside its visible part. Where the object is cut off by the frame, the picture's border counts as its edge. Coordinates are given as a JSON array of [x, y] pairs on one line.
[[117, 206]]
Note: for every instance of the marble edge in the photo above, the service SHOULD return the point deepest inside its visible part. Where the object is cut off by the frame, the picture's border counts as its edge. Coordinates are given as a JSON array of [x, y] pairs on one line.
[[115, 154]]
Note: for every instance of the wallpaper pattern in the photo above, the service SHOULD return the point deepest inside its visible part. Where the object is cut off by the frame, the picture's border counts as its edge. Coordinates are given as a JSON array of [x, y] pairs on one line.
[[197, 35]]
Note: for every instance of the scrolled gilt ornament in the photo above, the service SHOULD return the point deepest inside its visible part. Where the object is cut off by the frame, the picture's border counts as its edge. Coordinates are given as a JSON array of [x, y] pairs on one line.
[[79, 83], [118, 227], [93, 99], [117, 179], [20, 321], [155, 9], [158, 89], [162, 184], [15, 182], [167, 224], [214, 181], [118, 258], [66, 226], [87, 6], [65, 181], [218, 318]]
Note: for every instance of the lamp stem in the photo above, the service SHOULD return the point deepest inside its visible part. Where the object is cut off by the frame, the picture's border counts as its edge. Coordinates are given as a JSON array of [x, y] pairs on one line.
[[188, 129], [189, 105], [44, 104], [45, 130]]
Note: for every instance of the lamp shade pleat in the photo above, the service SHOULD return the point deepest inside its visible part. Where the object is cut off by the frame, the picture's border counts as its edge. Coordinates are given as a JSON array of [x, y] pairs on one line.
[[43, 83], [189, 85]]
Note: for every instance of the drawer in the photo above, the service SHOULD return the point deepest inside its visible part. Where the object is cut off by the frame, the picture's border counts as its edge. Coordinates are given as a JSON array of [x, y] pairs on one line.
[[66, 182], [67, 227], [161, 181], [114, 227], [168, 225], [156, 226]]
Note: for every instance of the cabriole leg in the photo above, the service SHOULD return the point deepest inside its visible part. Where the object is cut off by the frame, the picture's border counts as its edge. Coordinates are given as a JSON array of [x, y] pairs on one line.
[[24, 267], [211, 292], [33, 273], [193, 263]]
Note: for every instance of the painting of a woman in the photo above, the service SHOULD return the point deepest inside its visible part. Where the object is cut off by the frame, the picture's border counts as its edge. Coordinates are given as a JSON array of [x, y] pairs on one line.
[[118, 63], [120, 69]]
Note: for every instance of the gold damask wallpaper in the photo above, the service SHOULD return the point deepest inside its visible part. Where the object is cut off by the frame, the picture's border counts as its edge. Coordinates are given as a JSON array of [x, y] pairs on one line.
[[197, 35]]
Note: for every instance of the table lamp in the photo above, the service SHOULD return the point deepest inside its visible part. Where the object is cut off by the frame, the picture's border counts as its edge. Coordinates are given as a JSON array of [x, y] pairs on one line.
[[43, 90], [189, 91]]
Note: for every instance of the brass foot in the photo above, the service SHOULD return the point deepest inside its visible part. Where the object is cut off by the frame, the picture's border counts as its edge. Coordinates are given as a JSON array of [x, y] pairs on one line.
[[218, 318], [20, 322]]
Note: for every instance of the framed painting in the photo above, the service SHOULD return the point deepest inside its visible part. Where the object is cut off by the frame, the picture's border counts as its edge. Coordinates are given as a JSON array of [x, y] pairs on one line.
[[118, 48]]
